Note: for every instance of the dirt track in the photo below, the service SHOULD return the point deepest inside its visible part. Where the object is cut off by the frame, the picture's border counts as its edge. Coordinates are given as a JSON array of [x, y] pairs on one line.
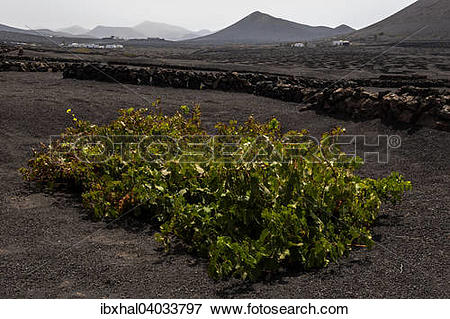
[[48, 248]]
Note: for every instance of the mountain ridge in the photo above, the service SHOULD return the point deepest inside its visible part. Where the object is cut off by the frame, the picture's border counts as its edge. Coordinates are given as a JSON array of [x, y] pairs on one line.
[[166, 31], [102, 31], [259, 27], [35, 32], [74, 30]]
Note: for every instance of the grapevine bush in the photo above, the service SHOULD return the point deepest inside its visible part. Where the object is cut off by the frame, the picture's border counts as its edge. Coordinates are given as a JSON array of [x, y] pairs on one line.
[[296, 207]]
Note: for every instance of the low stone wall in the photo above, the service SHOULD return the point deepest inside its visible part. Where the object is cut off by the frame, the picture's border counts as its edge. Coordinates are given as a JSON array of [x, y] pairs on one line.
[[408, 105], [31, 66], [398, 81], [279, 87], [225, 81]]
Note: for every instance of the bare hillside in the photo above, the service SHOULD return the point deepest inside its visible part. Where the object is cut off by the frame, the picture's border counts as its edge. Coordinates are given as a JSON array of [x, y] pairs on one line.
[[423, 20]]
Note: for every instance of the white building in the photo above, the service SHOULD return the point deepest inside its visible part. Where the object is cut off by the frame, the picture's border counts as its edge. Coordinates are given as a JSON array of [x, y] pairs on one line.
[[95, 46], [114, 46], [298, 45], [341, 43]]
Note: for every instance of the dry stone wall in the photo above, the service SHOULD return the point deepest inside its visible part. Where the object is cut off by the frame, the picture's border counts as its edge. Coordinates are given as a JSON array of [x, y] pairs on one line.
[[31, 66], [408, 105]]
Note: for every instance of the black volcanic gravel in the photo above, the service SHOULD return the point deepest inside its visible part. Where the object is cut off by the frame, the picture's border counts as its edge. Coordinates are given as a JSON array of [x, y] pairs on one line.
[[50, 249]]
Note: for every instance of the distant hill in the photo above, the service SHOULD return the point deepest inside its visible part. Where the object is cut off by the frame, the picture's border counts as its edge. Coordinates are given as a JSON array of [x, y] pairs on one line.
[[120, 32], [431, 15], [6, 28], [22, 37], [37, 32], [50, 33], [194, 34], [259, 27], [160, 30], [343, 29], [144, 30], [34, 37], [74, 30], [204, 32], [255, 28], [167, 31]]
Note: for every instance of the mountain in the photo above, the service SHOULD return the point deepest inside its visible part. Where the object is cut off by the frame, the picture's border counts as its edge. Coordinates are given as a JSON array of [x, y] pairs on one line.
[[428, 16], [142, 31], [146, 30], [166, 31], [343, 29], [259, 27], [197, 34], [50, 33], [119, 32], [160, 30], [37, 32], [74, 30], [6, 28]]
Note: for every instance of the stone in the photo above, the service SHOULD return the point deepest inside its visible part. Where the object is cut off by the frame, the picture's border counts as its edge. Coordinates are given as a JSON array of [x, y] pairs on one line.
[[444, 112]]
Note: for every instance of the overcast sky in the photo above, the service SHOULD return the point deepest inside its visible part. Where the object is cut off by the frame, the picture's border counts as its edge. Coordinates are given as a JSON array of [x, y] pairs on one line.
[[192, 14]]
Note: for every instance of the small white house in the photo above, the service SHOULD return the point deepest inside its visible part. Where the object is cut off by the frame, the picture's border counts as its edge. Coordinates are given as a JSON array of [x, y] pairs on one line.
[[298, 45], [114, 46], [341, 43]]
